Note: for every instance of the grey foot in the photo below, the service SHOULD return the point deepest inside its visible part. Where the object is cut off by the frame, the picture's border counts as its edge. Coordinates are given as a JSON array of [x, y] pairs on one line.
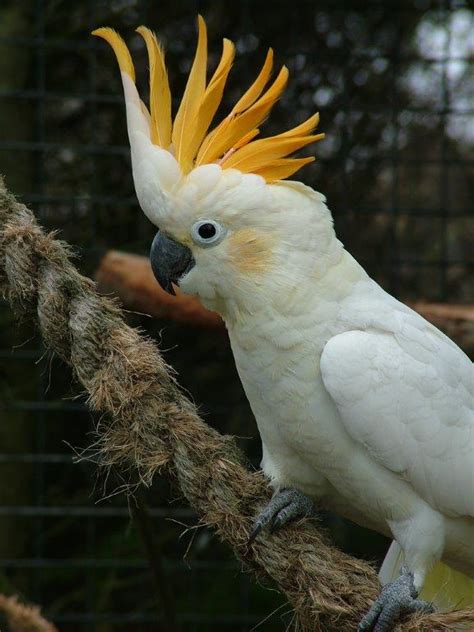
[[285, 506], [395, 600]]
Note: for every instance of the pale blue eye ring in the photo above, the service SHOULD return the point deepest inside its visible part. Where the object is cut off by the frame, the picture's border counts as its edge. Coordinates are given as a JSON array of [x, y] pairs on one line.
[[207, 233]]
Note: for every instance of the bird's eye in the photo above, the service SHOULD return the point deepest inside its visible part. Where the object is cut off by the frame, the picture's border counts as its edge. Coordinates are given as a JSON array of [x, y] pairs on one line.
[[207, 232]]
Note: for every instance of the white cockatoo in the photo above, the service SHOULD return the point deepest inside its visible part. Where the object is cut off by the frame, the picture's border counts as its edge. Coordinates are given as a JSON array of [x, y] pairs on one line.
[[361, 404]]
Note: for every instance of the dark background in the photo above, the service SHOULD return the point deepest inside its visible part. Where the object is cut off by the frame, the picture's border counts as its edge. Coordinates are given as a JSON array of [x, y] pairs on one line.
[[394, 84]]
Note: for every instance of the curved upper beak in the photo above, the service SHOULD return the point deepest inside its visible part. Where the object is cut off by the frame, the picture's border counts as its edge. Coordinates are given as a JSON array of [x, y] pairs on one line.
[[170, 261]]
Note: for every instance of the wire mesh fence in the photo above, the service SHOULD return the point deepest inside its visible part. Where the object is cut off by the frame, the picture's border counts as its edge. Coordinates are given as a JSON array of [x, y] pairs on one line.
[[394, 84]]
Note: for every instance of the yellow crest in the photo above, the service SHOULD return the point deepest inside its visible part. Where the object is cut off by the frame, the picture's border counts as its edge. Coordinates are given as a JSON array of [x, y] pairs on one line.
[[231, 143]]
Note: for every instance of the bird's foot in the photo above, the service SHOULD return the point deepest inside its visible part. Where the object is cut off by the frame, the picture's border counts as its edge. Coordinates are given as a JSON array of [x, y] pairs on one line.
[[395, 600], [285, 506]]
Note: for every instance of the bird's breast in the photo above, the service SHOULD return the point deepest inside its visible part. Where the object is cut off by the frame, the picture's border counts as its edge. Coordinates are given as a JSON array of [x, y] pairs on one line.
[[297, 420], [305, 444]]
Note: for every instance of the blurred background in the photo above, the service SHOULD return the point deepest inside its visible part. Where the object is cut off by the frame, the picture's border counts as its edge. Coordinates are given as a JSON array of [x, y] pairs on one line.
[[394, 84]]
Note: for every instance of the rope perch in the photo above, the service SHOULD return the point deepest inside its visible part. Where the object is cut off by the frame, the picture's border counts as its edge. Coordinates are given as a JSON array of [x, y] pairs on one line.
[[149, 426], [24, 618]]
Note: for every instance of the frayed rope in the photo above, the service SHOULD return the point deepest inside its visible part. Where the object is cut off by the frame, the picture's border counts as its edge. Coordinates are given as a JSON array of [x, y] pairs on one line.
[[149, 426], [22, 617]]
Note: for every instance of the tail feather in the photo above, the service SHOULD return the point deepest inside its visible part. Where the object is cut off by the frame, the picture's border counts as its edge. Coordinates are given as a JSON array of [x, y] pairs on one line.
[[446, 588]]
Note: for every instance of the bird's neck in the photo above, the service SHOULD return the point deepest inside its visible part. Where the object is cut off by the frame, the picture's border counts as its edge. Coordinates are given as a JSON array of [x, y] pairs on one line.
[[290, 296]]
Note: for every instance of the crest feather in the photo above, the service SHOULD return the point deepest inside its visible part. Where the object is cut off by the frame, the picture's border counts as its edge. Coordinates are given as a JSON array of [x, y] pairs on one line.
[[160, 95], [212, 97], [193, 94], [236, 125], [231, 143], [244, 140], [258, 153], [256, 89], [283, 168], [120, 49]]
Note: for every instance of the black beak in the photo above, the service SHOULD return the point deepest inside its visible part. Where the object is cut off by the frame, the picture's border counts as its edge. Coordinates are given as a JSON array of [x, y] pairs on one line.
[[169, 261]]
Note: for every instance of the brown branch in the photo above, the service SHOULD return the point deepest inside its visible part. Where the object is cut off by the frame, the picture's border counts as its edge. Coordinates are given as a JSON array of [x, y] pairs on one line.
[[153, 427], [24, 618]]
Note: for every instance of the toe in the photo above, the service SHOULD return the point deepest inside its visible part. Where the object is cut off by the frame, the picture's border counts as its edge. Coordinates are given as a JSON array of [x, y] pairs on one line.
[[257, 527], [267, 516], [418, 605], [262, 521], [370, 618], [285, 505], [395, 599], [387, 619], [288, 513]]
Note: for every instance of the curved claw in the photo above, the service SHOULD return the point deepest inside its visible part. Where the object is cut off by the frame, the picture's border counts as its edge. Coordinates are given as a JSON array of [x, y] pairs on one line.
[[395, 600], [285, 506]]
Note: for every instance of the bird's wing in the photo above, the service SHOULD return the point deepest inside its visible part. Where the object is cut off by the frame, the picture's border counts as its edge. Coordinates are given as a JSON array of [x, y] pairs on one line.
[[407, 396]]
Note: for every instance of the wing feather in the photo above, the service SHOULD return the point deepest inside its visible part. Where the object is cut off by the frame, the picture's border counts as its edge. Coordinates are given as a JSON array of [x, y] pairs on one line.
[[406, 398]]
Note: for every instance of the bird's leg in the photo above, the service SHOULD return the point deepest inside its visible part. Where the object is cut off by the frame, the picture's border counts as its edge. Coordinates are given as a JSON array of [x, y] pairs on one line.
[[395, 600], [285, 505]]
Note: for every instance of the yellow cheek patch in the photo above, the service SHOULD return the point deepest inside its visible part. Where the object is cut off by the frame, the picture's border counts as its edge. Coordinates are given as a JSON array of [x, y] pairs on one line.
[[251, 251]]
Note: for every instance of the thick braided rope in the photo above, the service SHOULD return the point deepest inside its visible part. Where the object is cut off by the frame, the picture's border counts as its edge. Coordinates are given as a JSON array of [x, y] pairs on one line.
[[24, 618], [148, 425]]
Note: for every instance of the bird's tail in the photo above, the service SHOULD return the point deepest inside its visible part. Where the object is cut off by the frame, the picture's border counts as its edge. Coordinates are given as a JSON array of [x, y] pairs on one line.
[[446, 588]]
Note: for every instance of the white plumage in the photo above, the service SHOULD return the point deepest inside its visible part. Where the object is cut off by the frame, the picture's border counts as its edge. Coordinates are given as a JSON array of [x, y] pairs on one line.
[[401, 392], [359, 401]]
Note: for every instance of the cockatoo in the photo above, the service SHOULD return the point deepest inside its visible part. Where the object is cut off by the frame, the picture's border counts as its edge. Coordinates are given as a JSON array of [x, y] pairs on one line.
[[361, 404]]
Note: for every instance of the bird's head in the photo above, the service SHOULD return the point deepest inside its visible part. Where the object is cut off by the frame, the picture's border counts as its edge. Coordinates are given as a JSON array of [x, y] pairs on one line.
[[231, 229]]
